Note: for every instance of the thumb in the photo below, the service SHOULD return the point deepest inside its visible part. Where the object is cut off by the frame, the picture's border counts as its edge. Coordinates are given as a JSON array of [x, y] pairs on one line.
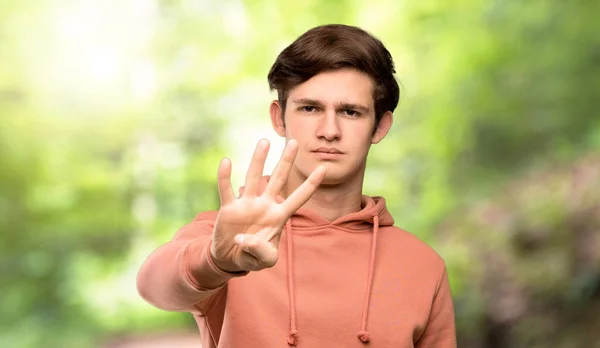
[[259, 253]]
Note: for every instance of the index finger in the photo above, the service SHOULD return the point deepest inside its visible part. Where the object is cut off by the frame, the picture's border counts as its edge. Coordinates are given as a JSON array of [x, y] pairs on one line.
[[303, 193]]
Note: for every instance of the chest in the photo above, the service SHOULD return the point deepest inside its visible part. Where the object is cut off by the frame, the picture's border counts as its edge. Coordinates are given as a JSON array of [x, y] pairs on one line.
[[329, 299]]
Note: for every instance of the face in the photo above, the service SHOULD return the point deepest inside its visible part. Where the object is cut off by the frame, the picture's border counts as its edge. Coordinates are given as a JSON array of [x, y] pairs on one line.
[[332, 116]]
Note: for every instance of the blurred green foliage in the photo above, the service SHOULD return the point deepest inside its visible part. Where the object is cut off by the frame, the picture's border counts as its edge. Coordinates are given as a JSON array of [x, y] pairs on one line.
[[114, 115]]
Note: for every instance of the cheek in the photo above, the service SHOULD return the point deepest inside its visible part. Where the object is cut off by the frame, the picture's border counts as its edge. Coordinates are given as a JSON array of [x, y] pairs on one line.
[[360, 137], [295, 127], [302, 133]]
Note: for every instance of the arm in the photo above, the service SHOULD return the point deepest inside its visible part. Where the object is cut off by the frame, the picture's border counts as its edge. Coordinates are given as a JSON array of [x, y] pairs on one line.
[[245, 236], [440, 331], [181, 273]]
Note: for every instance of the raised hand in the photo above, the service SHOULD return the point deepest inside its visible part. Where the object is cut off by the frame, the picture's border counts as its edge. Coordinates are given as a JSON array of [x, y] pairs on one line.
[[247, 230]]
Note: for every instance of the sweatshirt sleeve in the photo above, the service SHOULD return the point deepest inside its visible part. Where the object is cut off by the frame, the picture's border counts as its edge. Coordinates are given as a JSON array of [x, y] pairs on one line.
[[440, 331], [180, 274]]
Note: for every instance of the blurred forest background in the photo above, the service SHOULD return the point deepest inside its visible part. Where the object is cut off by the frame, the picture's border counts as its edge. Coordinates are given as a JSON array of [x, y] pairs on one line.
[[115, 114]]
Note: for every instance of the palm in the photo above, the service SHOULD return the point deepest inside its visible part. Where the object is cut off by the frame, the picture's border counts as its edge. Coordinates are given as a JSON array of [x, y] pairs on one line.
[[256, 216]]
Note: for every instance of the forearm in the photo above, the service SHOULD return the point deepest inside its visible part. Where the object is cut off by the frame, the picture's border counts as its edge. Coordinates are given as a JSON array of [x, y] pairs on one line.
[[180, 274]]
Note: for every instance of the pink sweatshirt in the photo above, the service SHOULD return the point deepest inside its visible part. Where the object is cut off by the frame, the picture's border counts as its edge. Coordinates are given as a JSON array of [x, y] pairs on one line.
[[354, 282]]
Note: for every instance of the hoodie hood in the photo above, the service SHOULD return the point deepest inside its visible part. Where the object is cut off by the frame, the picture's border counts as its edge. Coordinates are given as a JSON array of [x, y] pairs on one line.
[[360, 221]]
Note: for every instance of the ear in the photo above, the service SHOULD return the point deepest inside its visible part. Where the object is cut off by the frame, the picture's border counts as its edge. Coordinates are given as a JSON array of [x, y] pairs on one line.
[[383, 127], [277, 118]]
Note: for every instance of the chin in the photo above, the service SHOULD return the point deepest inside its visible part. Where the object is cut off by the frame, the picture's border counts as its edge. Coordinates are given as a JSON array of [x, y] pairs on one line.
[[334, 179], [337, 172], [334, 176]]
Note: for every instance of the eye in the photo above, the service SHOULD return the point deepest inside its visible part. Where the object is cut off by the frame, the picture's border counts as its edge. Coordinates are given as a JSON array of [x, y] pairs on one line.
[[308, 108], [350, 112]]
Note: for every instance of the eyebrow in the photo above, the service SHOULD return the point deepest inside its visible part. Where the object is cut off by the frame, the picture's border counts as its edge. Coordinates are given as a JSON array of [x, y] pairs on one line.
[[313, 102]]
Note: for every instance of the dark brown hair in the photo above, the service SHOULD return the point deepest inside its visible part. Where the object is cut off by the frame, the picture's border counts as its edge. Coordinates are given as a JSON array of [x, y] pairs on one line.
[[332, 47]]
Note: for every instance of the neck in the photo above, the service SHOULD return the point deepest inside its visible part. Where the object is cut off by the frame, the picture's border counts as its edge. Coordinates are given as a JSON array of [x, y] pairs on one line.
[[331, 201]]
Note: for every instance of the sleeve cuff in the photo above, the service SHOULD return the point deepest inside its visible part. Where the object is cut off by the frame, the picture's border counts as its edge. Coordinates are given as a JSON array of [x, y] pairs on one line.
[[200, 271], [211, 262]]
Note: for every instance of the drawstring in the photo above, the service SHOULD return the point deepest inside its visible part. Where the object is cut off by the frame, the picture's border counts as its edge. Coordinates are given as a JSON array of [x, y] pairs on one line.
[[293, 334], [363, 334]]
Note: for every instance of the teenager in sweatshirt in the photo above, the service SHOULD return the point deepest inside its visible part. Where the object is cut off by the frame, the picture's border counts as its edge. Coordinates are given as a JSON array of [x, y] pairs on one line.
[[303, 258]]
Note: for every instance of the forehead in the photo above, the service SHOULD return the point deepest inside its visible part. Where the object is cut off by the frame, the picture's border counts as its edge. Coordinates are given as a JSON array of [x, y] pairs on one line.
[[337, 86]]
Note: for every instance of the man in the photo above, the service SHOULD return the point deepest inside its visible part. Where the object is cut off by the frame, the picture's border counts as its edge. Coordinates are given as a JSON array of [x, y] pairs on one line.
[[303, 256]]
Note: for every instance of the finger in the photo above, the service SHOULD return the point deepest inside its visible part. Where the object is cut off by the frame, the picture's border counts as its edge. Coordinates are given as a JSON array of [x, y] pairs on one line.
[[282, 170], [303, 193], [261, 254], [257, 166], [224, 182]]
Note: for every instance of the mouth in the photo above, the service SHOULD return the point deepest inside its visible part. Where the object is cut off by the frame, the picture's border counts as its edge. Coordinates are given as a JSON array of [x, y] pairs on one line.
[[328, 150], [328, 153]]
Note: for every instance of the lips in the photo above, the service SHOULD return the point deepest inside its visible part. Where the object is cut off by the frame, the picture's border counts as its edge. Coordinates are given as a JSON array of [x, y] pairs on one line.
[[330, 150]]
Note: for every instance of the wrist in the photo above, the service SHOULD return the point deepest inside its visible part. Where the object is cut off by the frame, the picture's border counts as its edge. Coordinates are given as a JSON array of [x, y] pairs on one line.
[[222, 267], [225, 267], [199, 268]]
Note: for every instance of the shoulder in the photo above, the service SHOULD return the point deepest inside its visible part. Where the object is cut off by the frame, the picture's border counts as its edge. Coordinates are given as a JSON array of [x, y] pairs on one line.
[[412, 247], [417, 268]]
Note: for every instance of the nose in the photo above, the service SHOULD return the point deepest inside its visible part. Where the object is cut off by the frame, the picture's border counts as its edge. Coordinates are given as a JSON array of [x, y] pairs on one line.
[[329, 127]]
